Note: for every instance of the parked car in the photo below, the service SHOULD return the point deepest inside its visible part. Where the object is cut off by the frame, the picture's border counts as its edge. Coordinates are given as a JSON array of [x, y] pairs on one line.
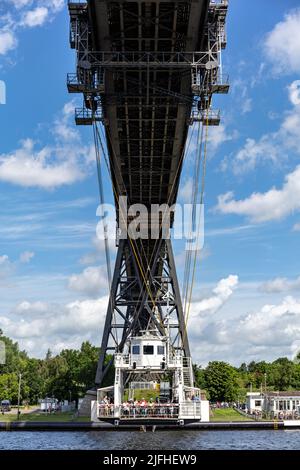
[[5, 406]]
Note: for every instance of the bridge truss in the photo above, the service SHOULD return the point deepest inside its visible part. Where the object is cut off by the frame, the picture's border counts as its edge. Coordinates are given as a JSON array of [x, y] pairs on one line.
[[147, 71]]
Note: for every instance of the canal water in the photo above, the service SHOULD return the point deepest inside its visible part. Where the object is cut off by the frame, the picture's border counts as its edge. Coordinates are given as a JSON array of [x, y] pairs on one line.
[[160, 440]]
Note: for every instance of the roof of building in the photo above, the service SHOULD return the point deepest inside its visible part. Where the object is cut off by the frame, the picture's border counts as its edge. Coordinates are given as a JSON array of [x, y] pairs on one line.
[[291, 393]]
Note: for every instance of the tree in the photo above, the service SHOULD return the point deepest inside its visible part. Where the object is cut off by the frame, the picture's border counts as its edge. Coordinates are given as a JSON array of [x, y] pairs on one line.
[[221, 381], [199, 375], [283, 371]]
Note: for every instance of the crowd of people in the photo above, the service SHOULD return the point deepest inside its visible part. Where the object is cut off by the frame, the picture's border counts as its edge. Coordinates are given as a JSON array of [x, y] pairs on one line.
[[140, 408]]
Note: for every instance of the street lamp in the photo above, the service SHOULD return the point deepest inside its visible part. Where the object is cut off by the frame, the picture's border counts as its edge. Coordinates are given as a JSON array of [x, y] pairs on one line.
[[19, 395]]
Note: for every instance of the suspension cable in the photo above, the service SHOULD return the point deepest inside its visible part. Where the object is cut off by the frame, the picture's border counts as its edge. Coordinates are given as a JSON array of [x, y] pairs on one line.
[[195, 191], [131, 242], [198, 232]]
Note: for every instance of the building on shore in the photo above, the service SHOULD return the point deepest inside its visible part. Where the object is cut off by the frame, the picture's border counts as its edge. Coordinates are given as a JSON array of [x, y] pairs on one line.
[[275, 404]]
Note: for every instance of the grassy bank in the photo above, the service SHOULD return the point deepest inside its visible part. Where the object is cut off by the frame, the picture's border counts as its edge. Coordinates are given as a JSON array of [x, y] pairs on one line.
[[220, 414], [227, 414], [44, 417]]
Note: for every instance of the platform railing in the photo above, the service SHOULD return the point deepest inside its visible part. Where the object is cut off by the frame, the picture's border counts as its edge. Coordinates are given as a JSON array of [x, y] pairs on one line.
[[191, 409], [156, 59], [163, 411]]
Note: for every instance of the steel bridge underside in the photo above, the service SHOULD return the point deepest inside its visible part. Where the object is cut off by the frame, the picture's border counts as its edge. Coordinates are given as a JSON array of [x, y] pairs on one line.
[[147, 109]]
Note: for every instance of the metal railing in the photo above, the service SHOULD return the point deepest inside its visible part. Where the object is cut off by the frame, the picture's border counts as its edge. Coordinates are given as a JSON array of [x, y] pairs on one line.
[[85, 114], [94, 82], [77, 2], [163, 411], [147, 59], [223, 3]]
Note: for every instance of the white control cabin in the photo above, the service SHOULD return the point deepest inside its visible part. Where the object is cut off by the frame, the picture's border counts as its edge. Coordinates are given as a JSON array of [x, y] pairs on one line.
[[150, 359]]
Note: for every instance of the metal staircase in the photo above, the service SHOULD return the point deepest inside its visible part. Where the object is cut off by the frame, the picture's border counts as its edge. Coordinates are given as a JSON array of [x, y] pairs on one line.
[[187, 372]]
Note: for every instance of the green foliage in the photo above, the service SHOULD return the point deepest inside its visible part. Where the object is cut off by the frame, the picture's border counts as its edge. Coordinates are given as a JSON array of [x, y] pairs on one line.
[[69, 374], [221, 381], [64, 376]]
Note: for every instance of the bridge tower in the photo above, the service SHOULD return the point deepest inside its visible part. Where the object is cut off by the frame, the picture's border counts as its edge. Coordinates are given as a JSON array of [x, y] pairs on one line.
[[147, 70]]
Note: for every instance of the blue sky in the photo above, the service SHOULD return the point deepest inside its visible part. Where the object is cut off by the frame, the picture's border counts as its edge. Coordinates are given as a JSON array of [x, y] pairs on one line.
[[52, 275]]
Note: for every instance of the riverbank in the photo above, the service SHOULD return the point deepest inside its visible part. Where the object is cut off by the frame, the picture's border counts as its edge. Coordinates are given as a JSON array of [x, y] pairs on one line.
[[226, 414], [217, 415], [37, 416]]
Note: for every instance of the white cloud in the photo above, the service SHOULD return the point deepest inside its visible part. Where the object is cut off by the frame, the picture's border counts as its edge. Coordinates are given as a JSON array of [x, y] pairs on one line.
[[36, 17], [28, 166], [280, 284], [294, 92], [62, 128], [8, 41], [274, 204], [270, 332], [39, 325], [218, 135], [26, 308], [22, 14], [91, 281], [282, 44], [55, 5], [26, 256], [186, 190], [210, 305], [273, 147], [246, 106], [6, 267], [21, 3], [62, 163], [248, 157]]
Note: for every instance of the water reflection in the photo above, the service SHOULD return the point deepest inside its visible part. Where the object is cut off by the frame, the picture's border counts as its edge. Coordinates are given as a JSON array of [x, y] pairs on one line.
[[164, 440]]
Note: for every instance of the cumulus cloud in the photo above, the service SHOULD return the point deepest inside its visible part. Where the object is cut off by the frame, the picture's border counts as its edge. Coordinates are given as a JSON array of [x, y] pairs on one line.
[[272, 147], [39, 325], [282, 44], [21, 14], [218, 135], [274, 204], [36, 17], [280, 284], [253, 152], [208, 306], [28, 166], [26, 256], [294, 92], [272, 331], [8, 41], [50, 166], [91, 281]]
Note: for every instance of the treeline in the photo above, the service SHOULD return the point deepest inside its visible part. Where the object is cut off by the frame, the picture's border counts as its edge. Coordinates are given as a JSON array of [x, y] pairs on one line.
[[65, 376], [69, 374], [224, 382]]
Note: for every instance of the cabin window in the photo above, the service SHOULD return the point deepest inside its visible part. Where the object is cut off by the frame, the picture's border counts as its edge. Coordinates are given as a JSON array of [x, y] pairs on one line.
[[135, 349], [161, 350], [257, 402], [148, 350]]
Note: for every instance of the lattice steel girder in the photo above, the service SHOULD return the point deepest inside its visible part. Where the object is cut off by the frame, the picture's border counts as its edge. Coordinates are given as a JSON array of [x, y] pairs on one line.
[[142, 59], [132, 306]]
